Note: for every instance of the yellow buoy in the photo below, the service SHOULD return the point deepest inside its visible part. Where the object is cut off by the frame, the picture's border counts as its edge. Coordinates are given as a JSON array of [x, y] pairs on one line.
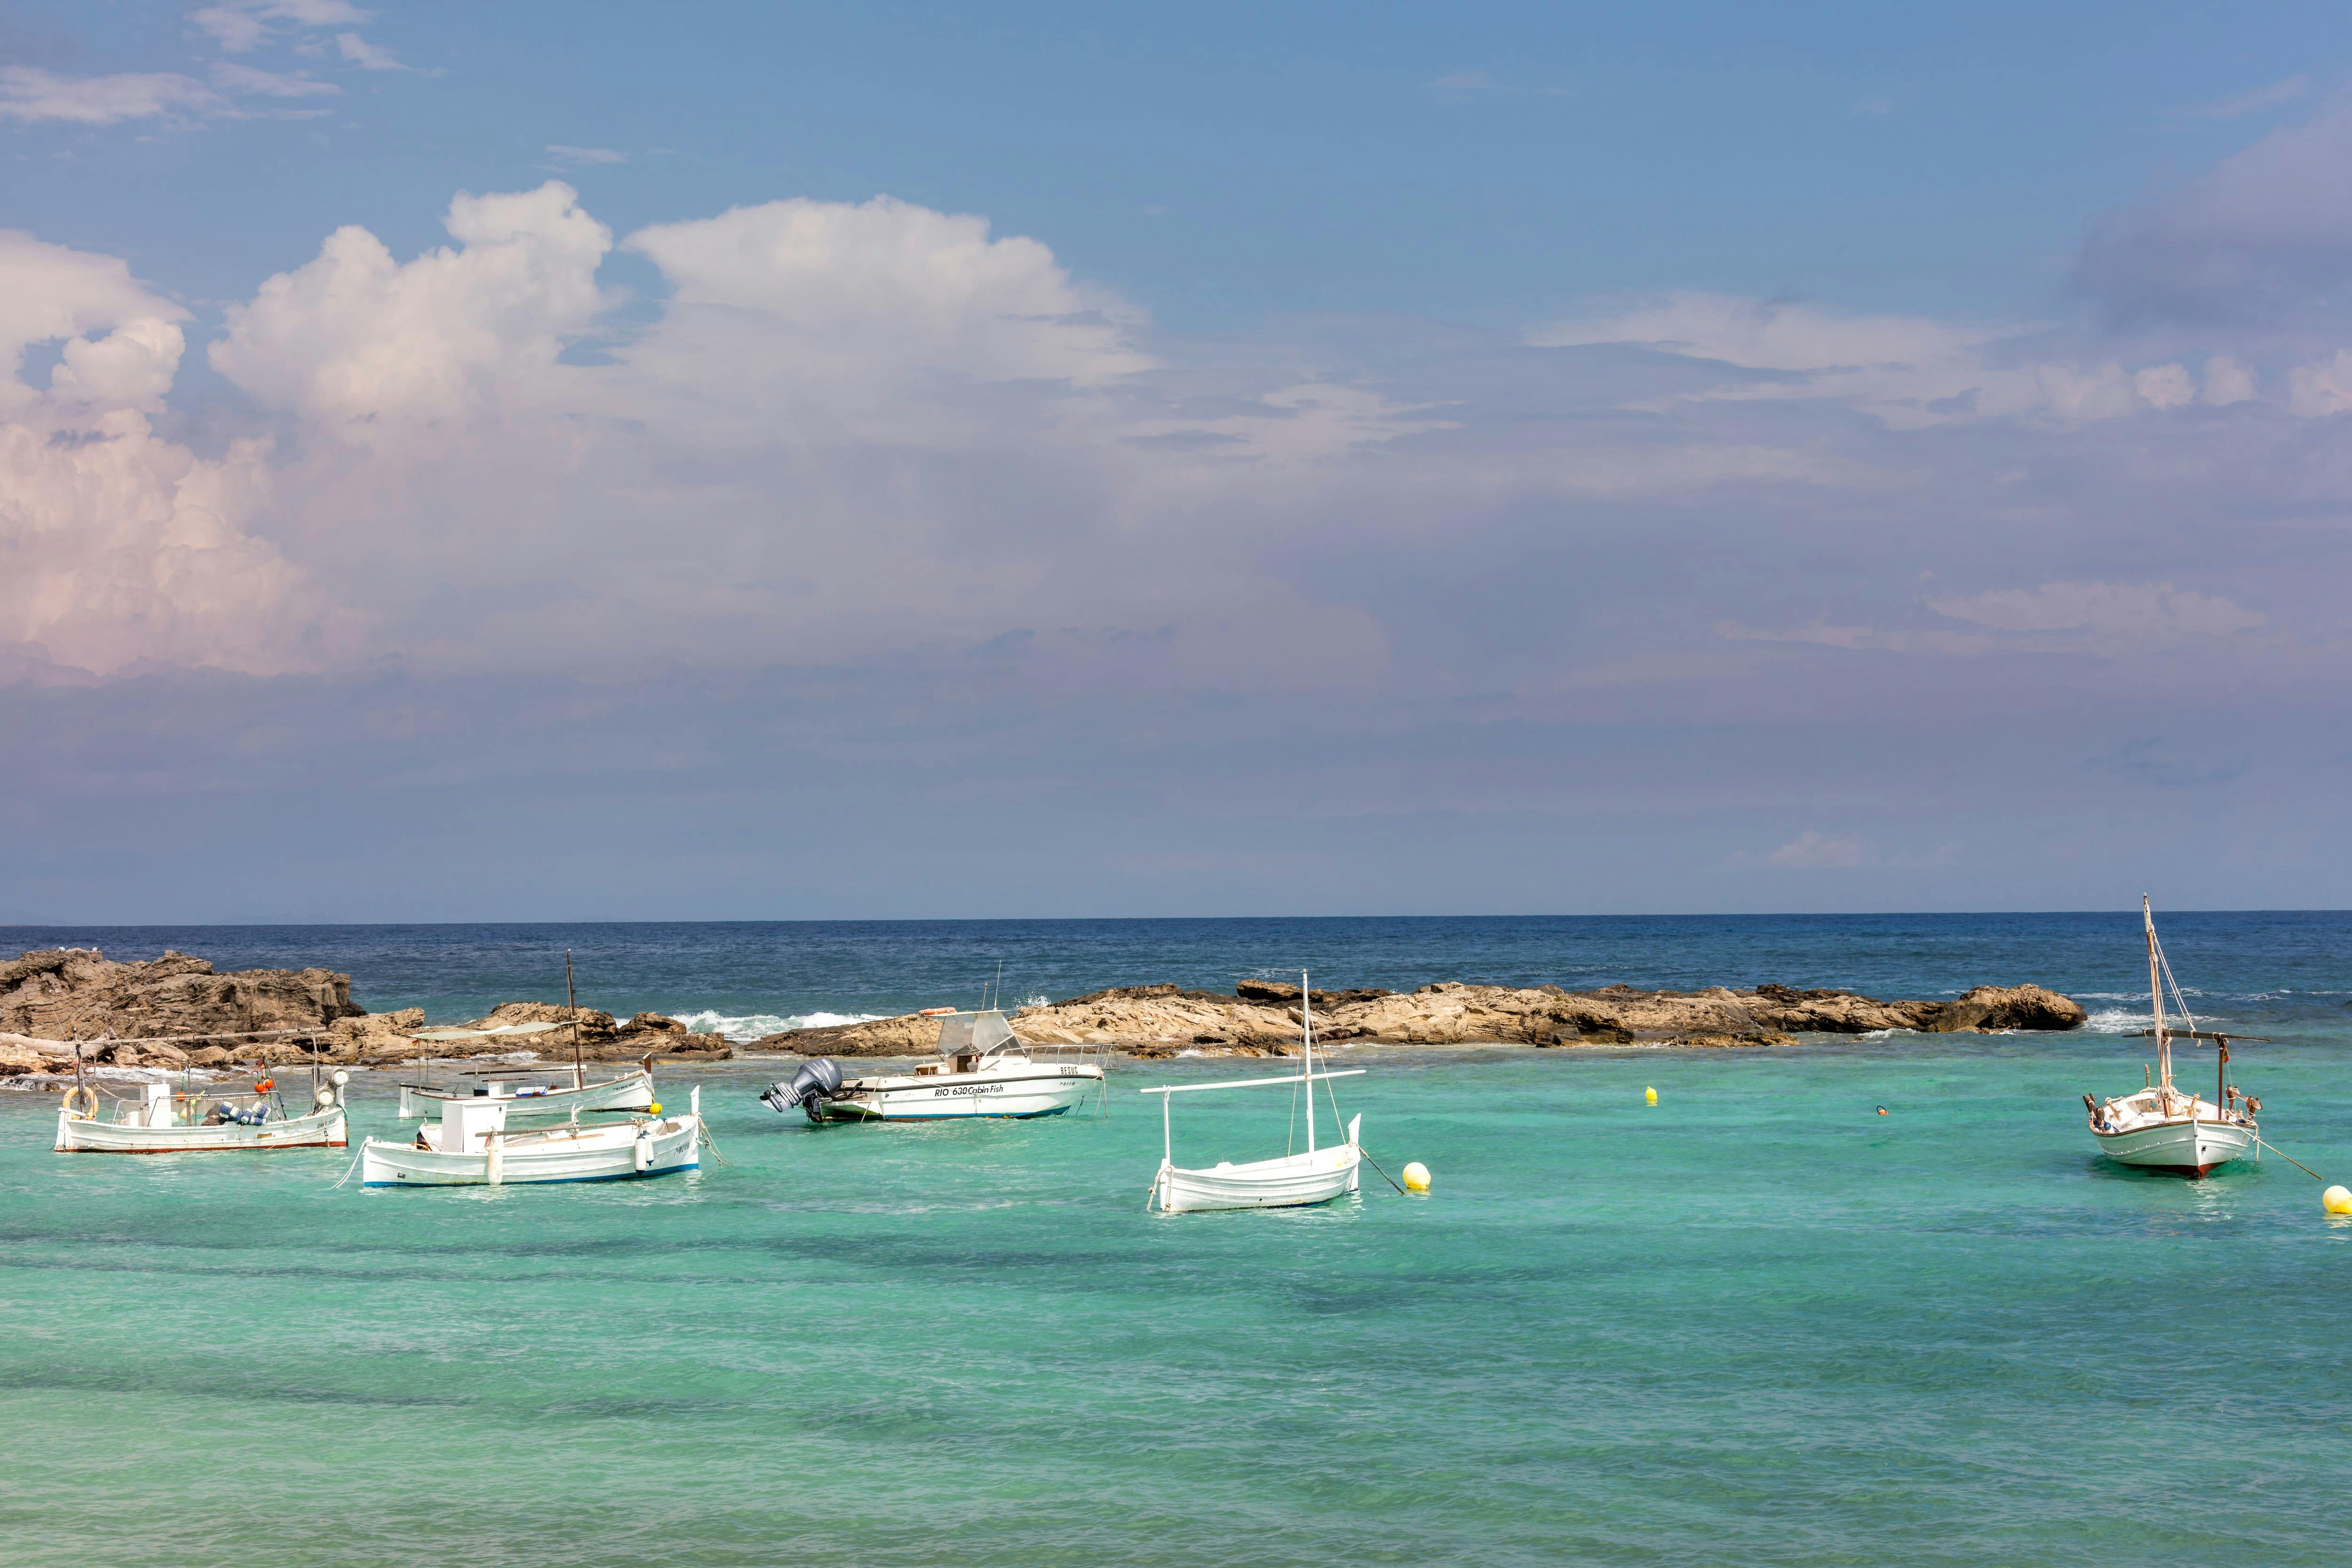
[[654, 1110], [2337, 1200], [1650, 1095], [1416, 1177]]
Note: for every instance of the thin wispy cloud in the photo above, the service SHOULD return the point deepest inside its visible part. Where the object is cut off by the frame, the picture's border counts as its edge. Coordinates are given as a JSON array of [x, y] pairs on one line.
[[29, 95], [357, 51], [582, 157], [233, 78], [240, 25], [2285, 91], [1468, 84]]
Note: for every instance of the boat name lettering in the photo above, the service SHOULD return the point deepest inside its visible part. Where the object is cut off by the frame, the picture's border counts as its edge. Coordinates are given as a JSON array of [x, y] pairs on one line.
[[969, 1089]]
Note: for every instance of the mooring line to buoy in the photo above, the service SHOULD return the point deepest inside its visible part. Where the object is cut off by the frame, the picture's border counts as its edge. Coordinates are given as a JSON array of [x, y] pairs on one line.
[[2290, 1159], [1375, 1164]]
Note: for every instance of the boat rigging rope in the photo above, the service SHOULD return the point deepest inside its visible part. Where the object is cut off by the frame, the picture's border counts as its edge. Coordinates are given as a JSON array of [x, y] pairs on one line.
[[354, 1165], [2179, 1001]]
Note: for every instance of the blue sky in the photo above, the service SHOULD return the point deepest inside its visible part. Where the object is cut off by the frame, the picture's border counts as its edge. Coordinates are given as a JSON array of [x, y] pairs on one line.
[[534, 462]]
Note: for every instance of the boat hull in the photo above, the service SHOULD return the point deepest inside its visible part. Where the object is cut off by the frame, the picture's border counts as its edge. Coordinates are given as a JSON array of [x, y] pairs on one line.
[[325, 1129], [635, 1092], [604, 1154], [2187, 1148], [1033, 1091], [1293, 1182]]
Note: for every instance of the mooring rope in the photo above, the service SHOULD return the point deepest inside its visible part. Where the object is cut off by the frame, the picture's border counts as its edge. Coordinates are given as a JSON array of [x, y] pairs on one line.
[[2290, 1159]]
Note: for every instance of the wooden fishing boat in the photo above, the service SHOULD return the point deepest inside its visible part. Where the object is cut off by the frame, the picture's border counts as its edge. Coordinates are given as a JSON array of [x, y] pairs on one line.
[[2163, 1127], [1294, 1179], [984, 1070], [153, 1119], [535, 1090], [471, 1145]]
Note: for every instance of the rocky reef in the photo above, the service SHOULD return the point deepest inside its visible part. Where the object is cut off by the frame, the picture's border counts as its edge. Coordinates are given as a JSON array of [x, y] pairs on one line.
[[176, 1011], [1262, 1018]]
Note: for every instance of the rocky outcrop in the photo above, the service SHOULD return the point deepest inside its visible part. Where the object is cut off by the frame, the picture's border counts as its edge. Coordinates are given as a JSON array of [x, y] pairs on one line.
[[122, 1011], [128, 1009], [1263, 1018]]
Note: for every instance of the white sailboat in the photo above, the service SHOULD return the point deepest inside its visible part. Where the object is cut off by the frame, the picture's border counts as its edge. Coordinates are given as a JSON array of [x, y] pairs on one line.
[[536, 1089], [471, 1145], [530, 1097], [1316, 1176], [155, 1120], [2163, 1127], [984, 1069]]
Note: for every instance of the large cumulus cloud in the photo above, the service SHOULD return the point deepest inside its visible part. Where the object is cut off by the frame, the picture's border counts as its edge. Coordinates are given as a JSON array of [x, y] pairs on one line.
[[121, 549]]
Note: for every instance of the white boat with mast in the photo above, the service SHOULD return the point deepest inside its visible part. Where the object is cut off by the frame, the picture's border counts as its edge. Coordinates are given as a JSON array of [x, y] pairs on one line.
[[1315, 1176], [151, 1119], [535, 1089], [2163, 1127], [471, 1145], [984, 1069]]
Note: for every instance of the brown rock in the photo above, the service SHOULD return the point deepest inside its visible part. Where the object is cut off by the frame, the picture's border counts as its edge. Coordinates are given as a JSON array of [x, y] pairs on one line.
[[659, 1020], [1989, 1008], [76, 993]]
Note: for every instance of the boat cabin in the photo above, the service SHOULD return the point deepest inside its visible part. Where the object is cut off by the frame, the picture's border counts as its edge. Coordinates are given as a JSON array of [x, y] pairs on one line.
[[968, 1039]]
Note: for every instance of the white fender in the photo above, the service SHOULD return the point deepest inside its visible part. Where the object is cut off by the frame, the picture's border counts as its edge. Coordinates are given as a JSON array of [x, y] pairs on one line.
[[641, 1153]]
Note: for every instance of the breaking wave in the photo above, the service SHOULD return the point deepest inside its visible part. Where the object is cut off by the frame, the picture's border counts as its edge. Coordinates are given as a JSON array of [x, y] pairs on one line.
[[743, 1027], [2116, 1021]]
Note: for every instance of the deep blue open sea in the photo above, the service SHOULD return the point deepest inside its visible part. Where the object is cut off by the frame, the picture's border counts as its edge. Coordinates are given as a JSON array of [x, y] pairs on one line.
[[1757, 1323]]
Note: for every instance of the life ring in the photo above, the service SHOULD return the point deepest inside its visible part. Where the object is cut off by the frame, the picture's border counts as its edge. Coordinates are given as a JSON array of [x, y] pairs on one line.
[[87, 1096]]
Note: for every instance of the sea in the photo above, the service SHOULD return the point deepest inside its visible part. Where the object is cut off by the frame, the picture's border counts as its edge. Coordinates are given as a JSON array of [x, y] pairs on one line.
[[1852, 1301]]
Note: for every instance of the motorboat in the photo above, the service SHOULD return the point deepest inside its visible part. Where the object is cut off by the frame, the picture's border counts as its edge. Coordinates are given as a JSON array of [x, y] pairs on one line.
[[471, 1145], [984, 1070], [1314, 1175], [2165, 1127], [536, 1088], [149, 1118]]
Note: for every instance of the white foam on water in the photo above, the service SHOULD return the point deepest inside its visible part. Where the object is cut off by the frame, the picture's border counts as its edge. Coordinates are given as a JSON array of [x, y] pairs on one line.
[[2116, 1021], [742, 1027]]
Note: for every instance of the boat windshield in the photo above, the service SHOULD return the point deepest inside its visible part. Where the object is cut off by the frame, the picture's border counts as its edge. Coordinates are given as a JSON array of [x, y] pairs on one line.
[[980, 1033]]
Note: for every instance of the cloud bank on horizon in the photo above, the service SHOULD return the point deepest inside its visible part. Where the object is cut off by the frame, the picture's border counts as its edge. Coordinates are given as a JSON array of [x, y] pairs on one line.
[[1766, 592]]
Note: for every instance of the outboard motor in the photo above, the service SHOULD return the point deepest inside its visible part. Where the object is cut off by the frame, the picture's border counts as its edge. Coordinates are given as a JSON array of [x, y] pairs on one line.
[[817, 1081]]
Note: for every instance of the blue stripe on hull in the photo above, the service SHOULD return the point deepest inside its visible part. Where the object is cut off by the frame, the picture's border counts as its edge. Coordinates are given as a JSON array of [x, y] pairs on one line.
[[558, 1182]]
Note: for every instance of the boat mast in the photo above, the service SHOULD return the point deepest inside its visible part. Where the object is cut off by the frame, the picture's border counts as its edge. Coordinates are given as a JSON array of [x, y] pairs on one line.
[[1307, 1022], [571, 1005], [2156, 999]]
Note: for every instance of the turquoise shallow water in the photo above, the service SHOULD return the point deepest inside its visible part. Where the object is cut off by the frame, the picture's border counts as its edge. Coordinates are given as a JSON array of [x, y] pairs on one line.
[[1755, 1324]]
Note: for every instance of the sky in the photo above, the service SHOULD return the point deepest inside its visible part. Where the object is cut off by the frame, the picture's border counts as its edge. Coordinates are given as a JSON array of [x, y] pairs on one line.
[[720, 461]]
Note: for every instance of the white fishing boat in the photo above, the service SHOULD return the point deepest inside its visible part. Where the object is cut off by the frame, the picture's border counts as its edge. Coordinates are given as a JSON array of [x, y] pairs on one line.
[[2163, 1127], [538, 1089], [471, 1145], [984, 1069], [151, 1119], [1316, 1175]]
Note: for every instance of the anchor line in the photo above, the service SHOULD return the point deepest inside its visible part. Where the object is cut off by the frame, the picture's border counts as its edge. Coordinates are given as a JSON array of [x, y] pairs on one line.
[[1375, 1164], [2290, 1159]]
